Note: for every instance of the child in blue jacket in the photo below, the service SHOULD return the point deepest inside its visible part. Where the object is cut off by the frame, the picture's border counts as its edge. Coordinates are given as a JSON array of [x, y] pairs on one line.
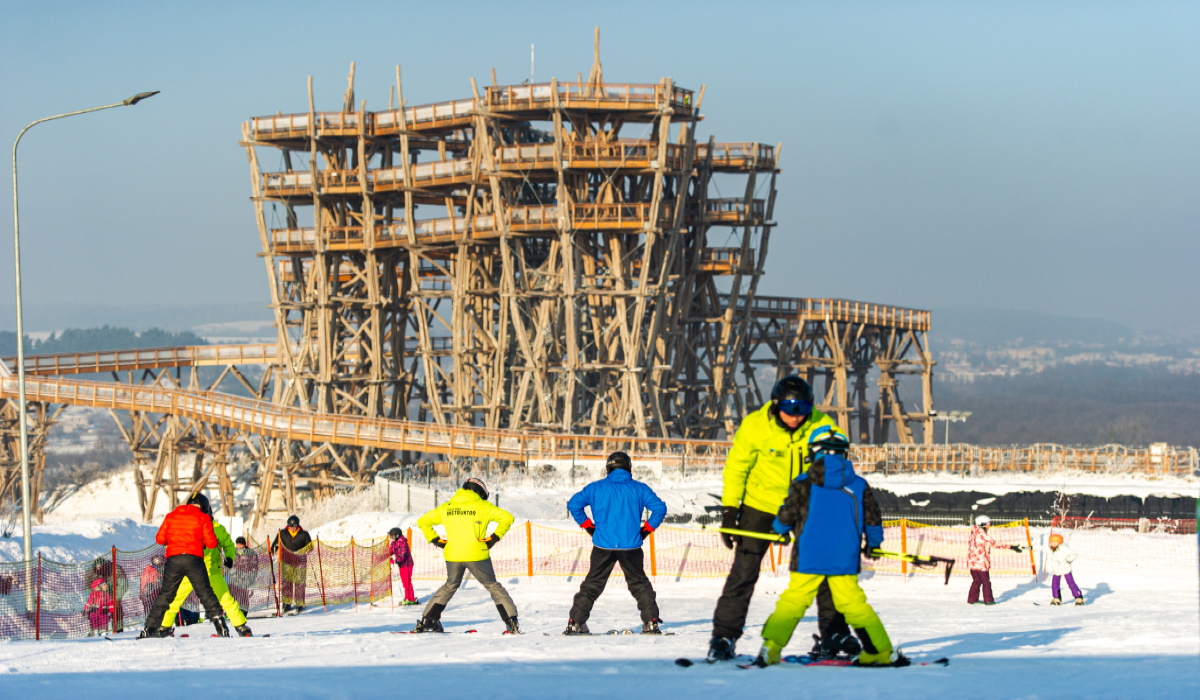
[[617, 502], [831, 510]]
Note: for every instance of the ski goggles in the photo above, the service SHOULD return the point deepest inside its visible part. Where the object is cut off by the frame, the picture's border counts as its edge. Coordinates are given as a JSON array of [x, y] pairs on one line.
[[795, 407]]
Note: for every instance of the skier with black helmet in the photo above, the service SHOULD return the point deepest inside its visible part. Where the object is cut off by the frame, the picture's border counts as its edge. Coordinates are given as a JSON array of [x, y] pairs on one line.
[[617, 502], [186, 532], [400, 554], [466, 518], [214, 557], [770, 449], [292, 547]]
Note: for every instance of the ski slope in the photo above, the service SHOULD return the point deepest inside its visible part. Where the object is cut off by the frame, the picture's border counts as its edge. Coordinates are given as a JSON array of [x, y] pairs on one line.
[[1137, 637]]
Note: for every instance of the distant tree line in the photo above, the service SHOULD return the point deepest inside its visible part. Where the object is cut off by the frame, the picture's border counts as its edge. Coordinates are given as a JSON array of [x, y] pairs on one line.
[[1088, 404], [97, 340]]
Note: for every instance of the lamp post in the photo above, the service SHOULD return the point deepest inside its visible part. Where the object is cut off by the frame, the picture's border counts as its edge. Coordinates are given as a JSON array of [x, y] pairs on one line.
[[26, 525], [949, 417]]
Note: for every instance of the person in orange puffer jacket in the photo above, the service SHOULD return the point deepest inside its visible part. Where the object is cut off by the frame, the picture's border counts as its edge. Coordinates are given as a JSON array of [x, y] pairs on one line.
[[186, 532]]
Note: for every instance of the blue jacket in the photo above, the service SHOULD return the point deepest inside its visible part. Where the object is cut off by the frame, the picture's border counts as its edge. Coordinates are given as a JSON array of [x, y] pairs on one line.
[[831, 509], [617, 502]]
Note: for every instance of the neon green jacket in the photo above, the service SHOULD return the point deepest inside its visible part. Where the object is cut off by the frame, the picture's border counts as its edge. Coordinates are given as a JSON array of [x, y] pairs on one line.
[[225, 548], [465, 517], [765, 458]]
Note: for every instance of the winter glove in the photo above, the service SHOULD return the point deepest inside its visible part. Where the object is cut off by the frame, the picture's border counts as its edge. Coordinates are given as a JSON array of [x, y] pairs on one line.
[[729, 519], [646, 530], [228, 562], [1017, 548], [491, 540], [438, 542], [589, 527], [870, 552]]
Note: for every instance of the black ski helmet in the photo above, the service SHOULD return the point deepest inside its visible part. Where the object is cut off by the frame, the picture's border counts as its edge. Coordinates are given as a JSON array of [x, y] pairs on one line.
[[200, 501], [477, 486], [395, 533], [792, 387], [293, 521], [618, 460]]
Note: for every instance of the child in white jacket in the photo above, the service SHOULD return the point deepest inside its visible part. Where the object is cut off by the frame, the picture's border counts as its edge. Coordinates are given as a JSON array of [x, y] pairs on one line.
[[1058, 563]]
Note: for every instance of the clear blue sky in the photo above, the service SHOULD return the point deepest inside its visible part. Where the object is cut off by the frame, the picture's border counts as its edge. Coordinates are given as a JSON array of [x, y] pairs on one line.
[[1028, 155]]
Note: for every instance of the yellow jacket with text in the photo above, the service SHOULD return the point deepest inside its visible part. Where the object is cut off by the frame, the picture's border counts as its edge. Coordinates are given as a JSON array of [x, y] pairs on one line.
[[465, 517], [765, 458]]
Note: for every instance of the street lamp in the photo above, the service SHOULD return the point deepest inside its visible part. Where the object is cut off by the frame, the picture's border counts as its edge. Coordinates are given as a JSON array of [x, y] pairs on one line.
[[26, 525], [949, 417]]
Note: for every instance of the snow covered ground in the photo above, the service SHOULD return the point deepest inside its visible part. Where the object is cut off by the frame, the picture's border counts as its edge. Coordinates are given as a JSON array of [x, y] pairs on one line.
[[1136, 638], [1139, 636]]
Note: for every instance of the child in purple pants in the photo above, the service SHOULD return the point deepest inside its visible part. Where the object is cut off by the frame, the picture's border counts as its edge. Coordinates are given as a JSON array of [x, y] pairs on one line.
[[1058, 563], [400, 555]]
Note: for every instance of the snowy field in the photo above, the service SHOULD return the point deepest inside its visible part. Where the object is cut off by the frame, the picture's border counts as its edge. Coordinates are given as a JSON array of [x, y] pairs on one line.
[[1139, 636]]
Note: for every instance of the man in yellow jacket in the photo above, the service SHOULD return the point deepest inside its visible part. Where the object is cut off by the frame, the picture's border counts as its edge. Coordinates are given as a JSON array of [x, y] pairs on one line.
[[465, 519], [224, 551], [769, 450]]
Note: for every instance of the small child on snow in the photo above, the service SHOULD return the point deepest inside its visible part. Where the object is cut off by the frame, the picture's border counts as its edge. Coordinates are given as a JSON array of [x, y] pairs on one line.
[[1058, 563], [99, 606], [979, 560], [400, 554]]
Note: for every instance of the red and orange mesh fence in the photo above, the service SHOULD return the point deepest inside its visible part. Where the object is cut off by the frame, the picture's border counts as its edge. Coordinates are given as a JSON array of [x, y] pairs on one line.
[[111, 593]]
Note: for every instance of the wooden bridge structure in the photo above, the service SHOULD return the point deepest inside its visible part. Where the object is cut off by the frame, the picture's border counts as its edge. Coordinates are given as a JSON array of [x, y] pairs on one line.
[[529, 267]]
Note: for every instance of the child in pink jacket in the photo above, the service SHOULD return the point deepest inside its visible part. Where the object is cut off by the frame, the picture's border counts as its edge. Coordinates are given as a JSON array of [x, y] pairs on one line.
[[99, 606], [400, 554], [979, 560]]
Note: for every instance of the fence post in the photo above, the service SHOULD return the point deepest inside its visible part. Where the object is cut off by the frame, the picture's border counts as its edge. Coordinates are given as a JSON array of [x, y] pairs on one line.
[[1029, 542], [116, 605], [274, 580], [353, 574], [653, 556], [37, 616], [903, 544], [321, 573], [529, 549], [392, 582]]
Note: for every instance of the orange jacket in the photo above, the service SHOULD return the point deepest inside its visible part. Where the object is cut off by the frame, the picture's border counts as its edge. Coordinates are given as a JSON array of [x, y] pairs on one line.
[[186, 530]]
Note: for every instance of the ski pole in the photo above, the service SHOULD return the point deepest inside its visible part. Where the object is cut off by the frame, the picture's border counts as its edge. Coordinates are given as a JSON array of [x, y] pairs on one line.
[[769, 536], [917, 560]]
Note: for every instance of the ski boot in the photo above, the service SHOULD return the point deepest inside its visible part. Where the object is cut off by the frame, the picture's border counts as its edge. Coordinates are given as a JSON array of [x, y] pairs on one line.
[[286, 609], [652, 626], [511, 626], [1079, 600], [884, 659], [574, 627], [243, 631], [768, 655], [1056, 601], [427, 625], [721, 649], [835, 645], [221, 626]]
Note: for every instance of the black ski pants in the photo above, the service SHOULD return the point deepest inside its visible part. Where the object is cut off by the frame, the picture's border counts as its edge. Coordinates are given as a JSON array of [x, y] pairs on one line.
[[632, 563], [176, 569], [730, 616]]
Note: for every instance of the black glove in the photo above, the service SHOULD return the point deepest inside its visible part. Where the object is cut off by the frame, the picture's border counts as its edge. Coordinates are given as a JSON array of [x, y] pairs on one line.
[[729, 519], [228, 562], [645, 531], [870, 552], [491, 540], [1017, 548], [438, 542], [589, 527]]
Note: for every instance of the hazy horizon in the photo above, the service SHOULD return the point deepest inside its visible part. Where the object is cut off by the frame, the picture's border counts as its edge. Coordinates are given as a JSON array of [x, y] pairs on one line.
[[1031, 156]]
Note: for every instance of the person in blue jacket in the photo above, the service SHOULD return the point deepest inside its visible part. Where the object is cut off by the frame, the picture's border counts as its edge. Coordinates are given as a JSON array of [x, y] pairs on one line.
[[617, 502], [832, 512]]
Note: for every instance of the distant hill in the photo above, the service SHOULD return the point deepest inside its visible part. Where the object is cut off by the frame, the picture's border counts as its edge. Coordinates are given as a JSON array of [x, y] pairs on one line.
[[98, 339], [41, 318], [996, 327]]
